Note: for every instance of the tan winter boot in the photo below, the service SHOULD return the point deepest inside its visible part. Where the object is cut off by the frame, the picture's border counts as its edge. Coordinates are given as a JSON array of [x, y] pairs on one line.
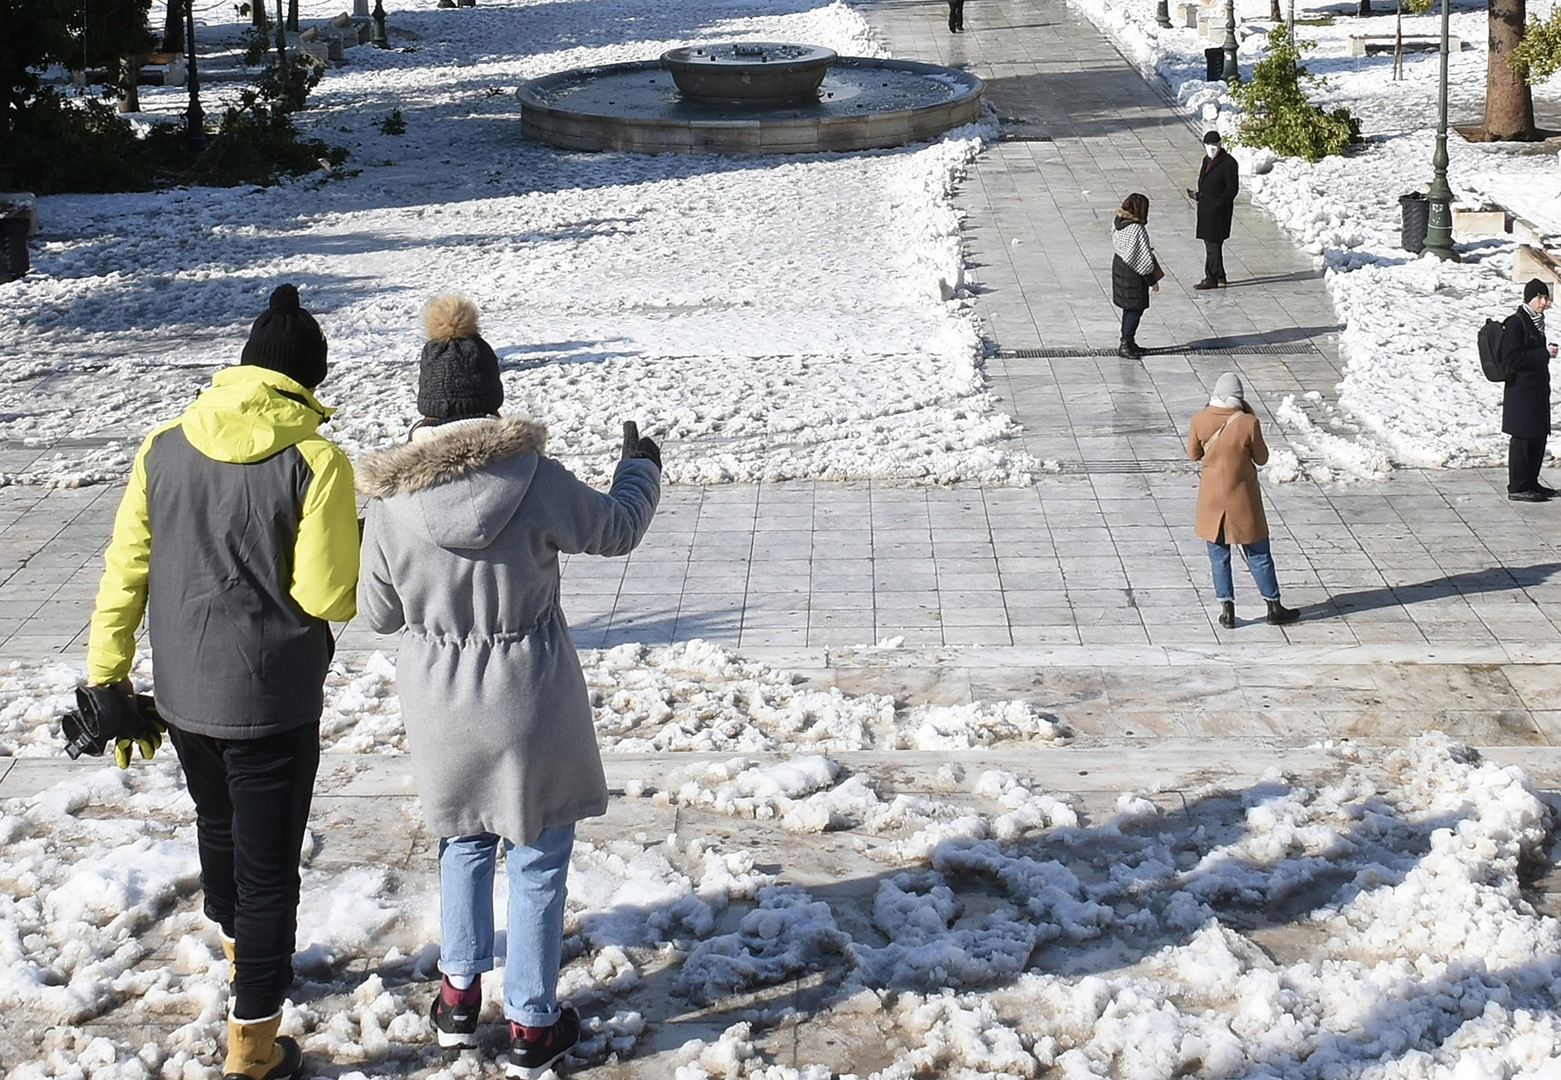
[[257, 1052]]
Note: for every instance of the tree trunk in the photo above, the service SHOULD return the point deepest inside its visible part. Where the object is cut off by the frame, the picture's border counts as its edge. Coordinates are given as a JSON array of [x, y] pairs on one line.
[[173, 27], [1273, 11], [1509, 103], [129, 91], [257, 12], [1364, 9], [292, 15]]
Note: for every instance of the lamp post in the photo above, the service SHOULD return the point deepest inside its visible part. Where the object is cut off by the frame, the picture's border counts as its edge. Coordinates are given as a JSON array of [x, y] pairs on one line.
[[1231, 73], [1162, 13], [194, 117], [377, 38], [1439, 226]]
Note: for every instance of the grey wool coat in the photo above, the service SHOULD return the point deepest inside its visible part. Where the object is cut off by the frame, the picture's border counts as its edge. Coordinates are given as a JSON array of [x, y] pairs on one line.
[[460, 550]]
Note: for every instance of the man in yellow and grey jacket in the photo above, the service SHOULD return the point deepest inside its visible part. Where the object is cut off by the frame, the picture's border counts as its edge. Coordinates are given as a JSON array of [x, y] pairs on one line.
[[237, 538]]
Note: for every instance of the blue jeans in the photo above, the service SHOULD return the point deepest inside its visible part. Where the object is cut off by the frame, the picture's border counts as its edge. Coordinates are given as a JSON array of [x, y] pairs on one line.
[[536, 916], [1259, 561]]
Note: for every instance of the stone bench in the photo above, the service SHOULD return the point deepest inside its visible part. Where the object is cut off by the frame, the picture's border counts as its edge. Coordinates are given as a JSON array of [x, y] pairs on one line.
[[162, 69], [1376, 44]]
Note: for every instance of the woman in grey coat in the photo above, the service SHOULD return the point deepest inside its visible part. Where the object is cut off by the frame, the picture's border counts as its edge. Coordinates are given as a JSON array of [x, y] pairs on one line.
[[460, 551]]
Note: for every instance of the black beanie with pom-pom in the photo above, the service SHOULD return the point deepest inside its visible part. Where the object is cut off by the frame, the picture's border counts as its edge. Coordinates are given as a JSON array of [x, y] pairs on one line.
[[286, 339]]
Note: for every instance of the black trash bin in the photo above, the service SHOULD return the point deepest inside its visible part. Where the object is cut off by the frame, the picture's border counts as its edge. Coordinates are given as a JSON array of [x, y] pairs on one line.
[[13, 245], [1215, 60], [1415, 218]]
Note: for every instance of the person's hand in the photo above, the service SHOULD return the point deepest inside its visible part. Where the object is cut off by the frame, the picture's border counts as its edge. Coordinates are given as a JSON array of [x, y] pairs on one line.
[[1155, 287], [636, 445], [1553, 349]]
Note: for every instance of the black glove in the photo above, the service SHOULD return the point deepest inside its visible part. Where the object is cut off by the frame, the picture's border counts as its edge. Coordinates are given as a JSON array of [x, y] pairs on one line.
[[106, 714], [1191, 194], [637, 446]]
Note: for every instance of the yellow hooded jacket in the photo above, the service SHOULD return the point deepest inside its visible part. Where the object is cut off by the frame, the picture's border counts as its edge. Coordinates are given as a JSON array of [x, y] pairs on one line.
[[237, 537]]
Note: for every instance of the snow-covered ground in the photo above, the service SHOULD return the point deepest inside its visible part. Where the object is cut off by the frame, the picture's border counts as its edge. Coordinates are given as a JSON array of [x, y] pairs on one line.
[[1368, 919], [767, 318], [1413, 393]]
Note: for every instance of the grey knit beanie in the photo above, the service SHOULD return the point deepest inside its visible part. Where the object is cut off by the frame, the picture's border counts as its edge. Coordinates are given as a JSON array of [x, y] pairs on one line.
[[1229, 386], [459, 372]]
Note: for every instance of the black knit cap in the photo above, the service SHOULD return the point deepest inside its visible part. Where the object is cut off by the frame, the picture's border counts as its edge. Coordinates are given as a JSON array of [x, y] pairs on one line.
[[1535, 287], [1211, 138], [459, 372], [286, 339]]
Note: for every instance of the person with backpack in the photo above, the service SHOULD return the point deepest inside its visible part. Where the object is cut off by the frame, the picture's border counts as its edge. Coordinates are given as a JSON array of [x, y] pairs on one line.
[[1525, 398], [1228, 439], [465, 524], [237, 538]]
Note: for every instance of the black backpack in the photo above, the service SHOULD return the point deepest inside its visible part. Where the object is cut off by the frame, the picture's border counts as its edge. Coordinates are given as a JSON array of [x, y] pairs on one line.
[[1489, 342]]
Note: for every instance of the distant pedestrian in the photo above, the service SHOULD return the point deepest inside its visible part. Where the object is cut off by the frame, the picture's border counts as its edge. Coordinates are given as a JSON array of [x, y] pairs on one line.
[[1135, 272], [1525, 397], [1219, 179], [460, 552], [956, 16], [1228, 439], [238, 538]]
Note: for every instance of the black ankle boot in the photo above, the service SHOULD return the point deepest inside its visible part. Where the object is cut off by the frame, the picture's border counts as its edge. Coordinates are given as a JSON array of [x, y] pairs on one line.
[[1129, 349], [1228, 614], [1278, 614]]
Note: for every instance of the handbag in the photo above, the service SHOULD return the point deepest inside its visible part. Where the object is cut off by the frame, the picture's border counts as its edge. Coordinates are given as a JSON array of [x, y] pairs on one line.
[[1157, 273]]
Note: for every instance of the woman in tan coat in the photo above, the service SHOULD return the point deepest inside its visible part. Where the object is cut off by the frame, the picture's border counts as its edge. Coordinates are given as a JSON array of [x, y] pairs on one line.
[[1227, 438]]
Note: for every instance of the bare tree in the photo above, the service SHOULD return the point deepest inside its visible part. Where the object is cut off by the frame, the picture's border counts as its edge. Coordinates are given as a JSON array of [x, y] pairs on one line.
[[1509, 103]]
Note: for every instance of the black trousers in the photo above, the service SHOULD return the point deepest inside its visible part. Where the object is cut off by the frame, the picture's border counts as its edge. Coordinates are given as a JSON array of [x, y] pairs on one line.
[[1524, 457], [1214, 260], [251, 806], [956, 16]]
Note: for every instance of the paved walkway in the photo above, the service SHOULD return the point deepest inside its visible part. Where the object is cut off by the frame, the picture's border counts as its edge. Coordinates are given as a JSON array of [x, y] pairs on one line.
[[1428, 598]]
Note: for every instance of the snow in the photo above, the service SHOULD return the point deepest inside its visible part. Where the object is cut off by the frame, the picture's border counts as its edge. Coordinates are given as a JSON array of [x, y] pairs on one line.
[[830, 343], [1370, 920]]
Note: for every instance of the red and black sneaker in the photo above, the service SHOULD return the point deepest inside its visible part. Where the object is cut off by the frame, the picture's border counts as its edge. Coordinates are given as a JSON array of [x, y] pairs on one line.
[[533, 1051], [454, 1013]]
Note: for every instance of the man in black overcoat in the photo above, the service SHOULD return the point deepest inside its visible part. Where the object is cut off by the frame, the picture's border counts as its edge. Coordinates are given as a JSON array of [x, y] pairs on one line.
[[1219, 179], [1525, 397]]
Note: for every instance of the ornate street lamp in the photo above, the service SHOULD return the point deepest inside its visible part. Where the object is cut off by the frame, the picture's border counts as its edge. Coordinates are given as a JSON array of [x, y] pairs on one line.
[[1162, 13], [194, 117], [1231, 73], [1439, 226], [377, 38]]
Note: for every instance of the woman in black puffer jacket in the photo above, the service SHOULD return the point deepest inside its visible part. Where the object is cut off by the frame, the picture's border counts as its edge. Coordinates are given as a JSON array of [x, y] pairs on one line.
[[1134, 271]]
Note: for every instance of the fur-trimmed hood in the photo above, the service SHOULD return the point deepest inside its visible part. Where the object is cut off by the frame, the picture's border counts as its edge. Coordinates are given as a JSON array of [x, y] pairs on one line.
[[415, 466]]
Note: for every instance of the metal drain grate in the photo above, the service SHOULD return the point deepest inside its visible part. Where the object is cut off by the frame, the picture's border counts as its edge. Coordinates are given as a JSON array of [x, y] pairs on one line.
[[1023, 136], [1298, 348]]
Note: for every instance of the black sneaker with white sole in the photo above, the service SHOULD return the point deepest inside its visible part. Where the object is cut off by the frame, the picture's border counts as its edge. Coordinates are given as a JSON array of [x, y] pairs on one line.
[[454, 1014], [530, 1059]]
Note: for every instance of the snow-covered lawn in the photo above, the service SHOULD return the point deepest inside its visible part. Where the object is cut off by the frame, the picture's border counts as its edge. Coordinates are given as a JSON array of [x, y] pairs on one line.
[[765, 318]]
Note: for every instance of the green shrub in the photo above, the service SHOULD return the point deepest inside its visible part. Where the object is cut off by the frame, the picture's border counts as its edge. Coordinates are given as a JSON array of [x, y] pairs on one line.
[[1538, 55], [1276, 112]]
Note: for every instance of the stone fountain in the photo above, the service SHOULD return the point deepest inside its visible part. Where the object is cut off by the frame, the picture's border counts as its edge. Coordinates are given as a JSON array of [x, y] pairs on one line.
[[748, 97]]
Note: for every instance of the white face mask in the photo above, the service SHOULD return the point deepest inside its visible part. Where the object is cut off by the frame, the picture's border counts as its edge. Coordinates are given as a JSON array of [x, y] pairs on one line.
[[1211, 150]]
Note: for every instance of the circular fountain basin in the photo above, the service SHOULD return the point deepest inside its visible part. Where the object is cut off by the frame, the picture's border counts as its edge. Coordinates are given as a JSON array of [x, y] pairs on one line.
[[750, 72], [862, 103]]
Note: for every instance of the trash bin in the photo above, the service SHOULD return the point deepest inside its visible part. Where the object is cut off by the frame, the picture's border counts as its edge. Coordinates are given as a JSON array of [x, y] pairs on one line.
[[13, 245], [1415, 218], [1214, 58]]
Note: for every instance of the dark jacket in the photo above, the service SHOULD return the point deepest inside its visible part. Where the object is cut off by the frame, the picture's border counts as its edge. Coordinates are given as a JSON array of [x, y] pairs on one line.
[[1218, 182], [1525, 397], [238, 537], [1130, 284]]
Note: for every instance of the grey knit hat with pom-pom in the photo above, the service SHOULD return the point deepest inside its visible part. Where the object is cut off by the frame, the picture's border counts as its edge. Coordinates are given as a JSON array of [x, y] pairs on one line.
[[286, 339], [459, 373]]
